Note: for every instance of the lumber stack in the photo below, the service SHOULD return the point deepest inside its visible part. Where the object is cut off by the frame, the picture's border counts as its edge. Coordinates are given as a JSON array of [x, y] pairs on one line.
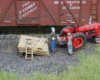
[[40, 45]]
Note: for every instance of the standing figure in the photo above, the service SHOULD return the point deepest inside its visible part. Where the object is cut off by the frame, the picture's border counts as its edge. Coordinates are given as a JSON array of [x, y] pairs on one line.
[[53, 37], [69, 40]]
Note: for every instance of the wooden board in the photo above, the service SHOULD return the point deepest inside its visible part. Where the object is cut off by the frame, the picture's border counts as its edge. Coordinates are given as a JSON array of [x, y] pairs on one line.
[[40, 45]]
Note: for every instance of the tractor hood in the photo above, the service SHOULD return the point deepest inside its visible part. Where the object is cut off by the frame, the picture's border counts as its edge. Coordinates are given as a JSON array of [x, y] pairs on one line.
[[66, 30], [87, 27]]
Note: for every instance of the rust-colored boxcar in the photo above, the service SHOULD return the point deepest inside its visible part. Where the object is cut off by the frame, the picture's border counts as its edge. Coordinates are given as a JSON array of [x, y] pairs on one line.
[[48, 12]]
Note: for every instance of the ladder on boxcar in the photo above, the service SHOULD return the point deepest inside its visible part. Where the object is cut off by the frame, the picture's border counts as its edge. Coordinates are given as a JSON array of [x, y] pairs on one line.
[[94, 10], [29, 49]]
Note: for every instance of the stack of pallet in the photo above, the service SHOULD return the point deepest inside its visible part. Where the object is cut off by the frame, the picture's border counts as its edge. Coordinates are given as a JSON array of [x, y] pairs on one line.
[[40, 45]]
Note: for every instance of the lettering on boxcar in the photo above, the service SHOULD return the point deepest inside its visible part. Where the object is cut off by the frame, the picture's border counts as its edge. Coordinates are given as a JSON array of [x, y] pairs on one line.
[[56, 2], [71, 4], [83, 2], [8, 21], [24, 5], [62, 2], [76, 7], [27, 13], [72, 22], [64, 7], [27, 10]]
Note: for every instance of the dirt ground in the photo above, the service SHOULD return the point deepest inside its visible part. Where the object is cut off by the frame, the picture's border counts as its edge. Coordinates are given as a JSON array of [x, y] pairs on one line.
[[56, 62]]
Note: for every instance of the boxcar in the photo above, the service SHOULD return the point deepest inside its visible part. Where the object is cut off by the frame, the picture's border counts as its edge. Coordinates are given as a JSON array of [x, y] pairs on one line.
[[48, 12]]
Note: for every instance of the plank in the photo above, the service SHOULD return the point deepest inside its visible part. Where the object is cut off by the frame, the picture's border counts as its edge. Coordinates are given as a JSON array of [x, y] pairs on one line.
[[41, 43]]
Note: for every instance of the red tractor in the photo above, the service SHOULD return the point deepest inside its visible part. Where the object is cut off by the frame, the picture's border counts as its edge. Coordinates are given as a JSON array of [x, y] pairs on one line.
[[80, 34]]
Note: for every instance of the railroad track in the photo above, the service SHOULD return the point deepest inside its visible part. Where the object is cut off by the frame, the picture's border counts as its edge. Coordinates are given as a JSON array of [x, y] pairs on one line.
[[29, 31]]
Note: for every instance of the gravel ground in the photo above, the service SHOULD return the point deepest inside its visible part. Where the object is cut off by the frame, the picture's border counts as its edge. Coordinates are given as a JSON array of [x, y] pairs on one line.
[[56, 62]]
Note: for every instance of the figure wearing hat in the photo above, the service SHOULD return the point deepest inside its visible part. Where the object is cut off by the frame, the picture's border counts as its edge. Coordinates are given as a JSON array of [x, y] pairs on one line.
[[53, 37], [69, 40]]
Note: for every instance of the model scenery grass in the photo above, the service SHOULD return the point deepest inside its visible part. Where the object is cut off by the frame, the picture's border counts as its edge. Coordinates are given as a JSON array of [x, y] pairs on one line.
[[87, 69]]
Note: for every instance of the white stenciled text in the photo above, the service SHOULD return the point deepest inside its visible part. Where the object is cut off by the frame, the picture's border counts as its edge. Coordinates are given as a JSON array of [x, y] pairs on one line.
[[28, 12], [27, 8]]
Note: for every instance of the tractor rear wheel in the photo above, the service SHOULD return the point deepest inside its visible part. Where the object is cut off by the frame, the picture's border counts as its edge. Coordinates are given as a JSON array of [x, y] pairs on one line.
[[62, 32], [79, 41], [96, 39]]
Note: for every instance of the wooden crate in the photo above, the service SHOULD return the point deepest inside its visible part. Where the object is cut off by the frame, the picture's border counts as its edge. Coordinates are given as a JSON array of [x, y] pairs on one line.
[[40, 45]]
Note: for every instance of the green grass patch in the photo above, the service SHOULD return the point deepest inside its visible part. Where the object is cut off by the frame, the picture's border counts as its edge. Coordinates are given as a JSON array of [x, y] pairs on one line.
[[87, 69], [8, 76]]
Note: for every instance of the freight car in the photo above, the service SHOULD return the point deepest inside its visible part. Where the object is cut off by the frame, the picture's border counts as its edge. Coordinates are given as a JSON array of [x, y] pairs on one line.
[[48, 12]]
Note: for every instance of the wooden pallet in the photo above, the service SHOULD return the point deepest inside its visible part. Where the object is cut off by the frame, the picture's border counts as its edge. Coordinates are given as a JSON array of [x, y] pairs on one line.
[[40, 45]]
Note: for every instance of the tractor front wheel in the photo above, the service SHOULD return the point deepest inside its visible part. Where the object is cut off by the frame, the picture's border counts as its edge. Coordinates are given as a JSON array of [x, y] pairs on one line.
[[79, 41], [96, 39]]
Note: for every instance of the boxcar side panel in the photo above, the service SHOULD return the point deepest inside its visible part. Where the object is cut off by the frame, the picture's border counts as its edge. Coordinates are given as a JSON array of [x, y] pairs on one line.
[[7, 13], [85, 12], [46, 16], [27, 12], [48, 12], [69, 12], [95, 10], [65, 12], [75, 11], [99, 11]]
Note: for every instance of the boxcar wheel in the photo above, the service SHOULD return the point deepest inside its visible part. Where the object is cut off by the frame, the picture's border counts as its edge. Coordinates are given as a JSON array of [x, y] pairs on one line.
[[96, 39], [79, 41]]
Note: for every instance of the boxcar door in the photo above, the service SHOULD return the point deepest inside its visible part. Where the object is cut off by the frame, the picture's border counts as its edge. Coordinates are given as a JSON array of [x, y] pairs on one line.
[[69, 12], [27, 12], [75, 11]]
